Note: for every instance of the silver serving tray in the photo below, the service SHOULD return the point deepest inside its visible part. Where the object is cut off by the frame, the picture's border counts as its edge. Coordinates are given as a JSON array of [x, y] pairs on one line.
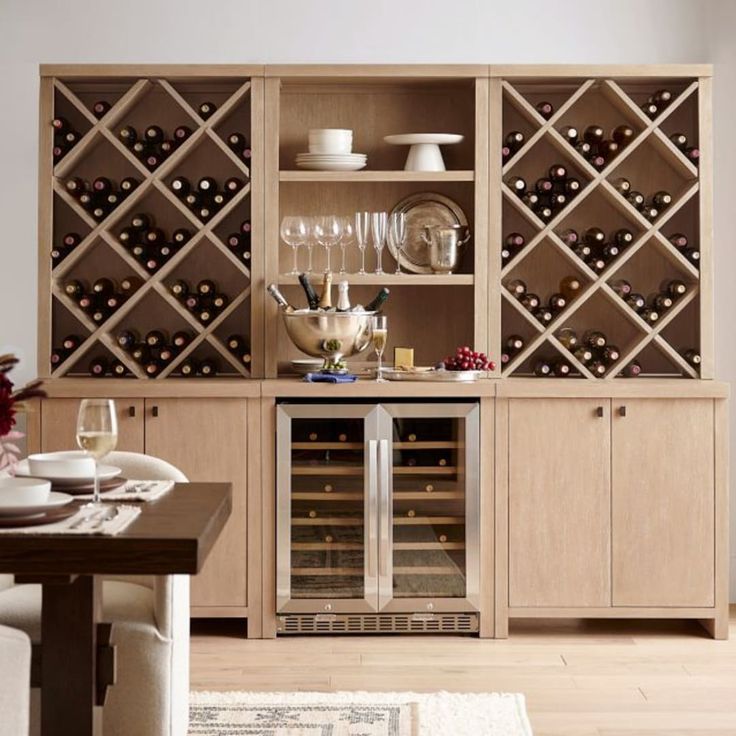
[[392, 374], [421, 209]]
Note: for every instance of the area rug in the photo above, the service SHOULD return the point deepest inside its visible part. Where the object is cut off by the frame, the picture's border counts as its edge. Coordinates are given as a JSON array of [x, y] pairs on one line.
[[357, 714]]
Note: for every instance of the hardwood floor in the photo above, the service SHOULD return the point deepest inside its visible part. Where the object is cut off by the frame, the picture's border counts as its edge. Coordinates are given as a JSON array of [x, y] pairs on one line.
[[595, 678]]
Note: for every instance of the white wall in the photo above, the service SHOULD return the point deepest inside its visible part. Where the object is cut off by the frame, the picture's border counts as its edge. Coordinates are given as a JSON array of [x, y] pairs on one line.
[[380, 31]]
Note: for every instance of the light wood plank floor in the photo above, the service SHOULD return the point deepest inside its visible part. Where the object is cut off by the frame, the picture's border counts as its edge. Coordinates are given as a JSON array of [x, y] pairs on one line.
[[595, 678]]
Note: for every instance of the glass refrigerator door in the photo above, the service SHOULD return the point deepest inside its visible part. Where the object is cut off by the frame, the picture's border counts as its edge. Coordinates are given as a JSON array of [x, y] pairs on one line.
[[327, 508], [428, 481]]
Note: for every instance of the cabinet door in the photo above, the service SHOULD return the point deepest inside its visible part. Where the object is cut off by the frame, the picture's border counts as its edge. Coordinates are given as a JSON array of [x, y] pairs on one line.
[[207, 440], [663, 503], [559, 502], [59, 424]]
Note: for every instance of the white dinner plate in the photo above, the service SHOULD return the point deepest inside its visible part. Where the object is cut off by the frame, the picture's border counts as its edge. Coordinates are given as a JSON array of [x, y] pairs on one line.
[[104, 472], [55, 499], [331, 157], [336, 166], [409, 139]]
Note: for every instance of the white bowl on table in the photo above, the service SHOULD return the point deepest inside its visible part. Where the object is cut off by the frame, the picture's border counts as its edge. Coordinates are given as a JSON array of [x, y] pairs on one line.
[[71, 464], [24, 492]]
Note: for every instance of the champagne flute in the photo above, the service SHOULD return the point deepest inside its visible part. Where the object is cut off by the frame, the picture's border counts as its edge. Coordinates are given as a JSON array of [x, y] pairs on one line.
[[362, 231], [294, 233], [397, 227], [97, 434], [379, 227], [348, 234], [311, 225], [328, 230], [379, 327]]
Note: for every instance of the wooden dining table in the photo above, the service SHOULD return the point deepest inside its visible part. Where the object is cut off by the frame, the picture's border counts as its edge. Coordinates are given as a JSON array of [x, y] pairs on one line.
[[172, 536]]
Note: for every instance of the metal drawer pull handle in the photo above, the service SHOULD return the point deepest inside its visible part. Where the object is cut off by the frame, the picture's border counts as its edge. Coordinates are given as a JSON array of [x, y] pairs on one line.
[[622, 411], [154, 411], [599, 411], [131, 411]]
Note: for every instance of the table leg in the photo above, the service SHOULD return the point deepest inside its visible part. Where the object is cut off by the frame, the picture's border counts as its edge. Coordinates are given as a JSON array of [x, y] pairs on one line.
[[69, 657]]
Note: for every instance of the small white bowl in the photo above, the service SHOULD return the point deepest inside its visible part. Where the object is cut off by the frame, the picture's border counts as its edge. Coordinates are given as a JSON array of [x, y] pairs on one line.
[[24, 491], [70, 464], [330, 140]]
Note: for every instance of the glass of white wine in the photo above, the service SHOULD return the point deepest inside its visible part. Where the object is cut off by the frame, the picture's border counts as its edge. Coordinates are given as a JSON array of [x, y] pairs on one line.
[[97, 433], [379, 327]]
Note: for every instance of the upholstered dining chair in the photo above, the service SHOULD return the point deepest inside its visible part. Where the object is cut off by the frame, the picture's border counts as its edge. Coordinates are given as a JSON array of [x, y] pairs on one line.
[[150, 617], [15, 672]]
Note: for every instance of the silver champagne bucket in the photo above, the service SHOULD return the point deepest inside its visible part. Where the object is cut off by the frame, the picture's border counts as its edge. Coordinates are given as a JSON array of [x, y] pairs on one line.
[[444, 243]]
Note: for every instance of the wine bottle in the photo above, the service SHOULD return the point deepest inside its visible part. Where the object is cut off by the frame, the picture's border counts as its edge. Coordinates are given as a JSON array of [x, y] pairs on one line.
[[208, 367], [622, 186], [674, 287], [693, 154], [97, 367], [517, 287], [557, 302], [514, 140], [280, 299], [153, 367], [594, 236], [57, 357], [515, 240], [679, 240], [75, 186], [593, 134], [623, 135], [572, 186], [692, 357], [545, 109], [118, 369], [233, 185], [661, 302], [636, 301], [207, 185], [141, 221], [220, 301], [568, 337], [181, 186], [610, 354], [74, 288], [153, 134], [312, 298], [610, 251], [206, 110], [583, 251], [569, 237], [325, 299], [583, 354], [544, 315], [60, 124], [594, 339], [378, 301], [237, 141], [561, 368], [140, 353], [542, 369], [597, 368], [621, 287], [543, 186], [104, 287], [570, 134], [650, 109], [128, 135], [557, 172], [155, 338], [680, 140], [517, 185], [530, 199], [180, 339], [180, 236], [596, 264], [192, 302], [632, 370], [206, 287], [180, 289], [623, 237], [529, 301], [188, 367], [597, 161], [693, 255], [608, 149], [649, 315], [558, 200], [662, 199], [636, 198], [166, 354], [71, 342], [343, 298], [514, 343], [662, 98], [583, 148]]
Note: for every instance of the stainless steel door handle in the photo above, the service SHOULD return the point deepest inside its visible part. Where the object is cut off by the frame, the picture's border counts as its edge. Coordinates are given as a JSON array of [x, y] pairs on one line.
[[372, 521], [385, 515]]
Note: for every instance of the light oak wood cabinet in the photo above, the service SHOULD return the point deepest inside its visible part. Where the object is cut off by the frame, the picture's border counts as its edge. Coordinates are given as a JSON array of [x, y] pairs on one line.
[[616, 507], [663, 502], [207, 440], [559, 503]]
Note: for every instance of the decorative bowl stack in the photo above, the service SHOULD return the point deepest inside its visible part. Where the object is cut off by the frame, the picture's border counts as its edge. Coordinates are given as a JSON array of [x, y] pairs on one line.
[[330, 149]]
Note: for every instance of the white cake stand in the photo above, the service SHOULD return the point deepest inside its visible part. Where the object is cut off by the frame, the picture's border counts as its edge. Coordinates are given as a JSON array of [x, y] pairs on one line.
[[424, 154]]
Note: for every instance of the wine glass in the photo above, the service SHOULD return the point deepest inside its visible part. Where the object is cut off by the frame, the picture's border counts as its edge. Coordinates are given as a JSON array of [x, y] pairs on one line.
[[348, 235], [362, 231], [397, 227], [97, 434], [311, 224], [294, 233], [379, 228], [328, 230], [379, 327]]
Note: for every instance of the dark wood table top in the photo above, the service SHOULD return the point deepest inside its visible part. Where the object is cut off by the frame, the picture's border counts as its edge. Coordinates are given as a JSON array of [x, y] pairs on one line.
[[172, 535]]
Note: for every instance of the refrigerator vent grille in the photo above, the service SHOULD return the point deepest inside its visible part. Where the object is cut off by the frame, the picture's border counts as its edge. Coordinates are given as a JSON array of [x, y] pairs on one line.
[[396, 623]]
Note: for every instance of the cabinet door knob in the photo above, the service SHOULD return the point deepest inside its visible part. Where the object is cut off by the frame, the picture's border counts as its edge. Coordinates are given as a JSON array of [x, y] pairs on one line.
[[622, 411], [599, 411], [154, 411], [131, 411]]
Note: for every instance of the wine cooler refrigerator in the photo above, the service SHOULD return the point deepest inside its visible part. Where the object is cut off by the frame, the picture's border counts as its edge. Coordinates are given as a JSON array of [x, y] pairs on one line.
[[378, 517]]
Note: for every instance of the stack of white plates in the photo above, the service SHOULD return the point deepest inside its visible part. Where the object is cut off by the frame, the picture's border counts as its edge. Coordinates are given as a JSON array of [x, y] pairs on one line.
[[331, 161]]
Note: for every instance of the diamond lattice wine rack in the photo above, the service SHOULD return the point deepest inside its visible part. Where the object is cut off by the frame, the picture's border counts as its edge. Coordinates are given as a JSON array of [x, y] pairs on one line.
[[632, 269], [145, 281]]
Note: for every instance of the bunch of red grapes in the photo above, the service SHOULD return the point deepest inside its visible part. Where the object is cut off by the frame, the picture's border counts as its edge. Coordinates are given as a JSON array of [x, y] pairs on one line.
[[466, 359]]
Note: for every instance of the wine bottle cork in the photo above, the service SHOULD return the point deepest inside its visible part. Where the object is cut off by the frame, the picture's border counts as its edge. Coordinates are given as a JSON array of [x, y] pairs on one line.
[[442, 462], [328, 488], [412, 437], [429, 488], [443, 537], [329, 539], [313, 436], [312, 514], [411, 513], [342, 437]]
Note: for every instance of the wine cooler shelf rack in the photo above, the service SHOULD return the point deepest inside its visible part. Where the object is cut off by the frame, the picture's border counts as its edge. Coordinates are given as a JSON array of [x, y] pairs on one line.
[[601, 224], [150, 227], [588, 200]]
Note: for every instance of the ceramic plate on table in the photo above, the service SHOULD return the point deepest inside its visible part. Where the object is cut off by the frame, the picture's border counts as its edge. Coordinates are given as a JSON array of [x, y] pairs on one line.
[[104, 472], [82, 489], [431, 374], [54, 501], [423, 208], [46, 517]]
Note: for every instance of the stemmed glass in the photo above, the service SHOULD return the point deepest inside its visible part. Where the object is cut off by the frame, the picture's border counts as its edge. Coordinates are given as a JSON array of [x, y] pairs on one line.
[[379, 228], [97, 434], [311, 225], [379, 326], [362, 231], [328, 230], [397, 226], [294, 233], [348, 234]]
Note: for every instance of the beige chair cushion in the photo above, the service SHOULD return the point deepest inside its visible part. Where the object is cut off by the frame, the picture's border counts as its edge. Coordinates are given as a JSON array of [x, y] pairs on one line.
[[15, 674]]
